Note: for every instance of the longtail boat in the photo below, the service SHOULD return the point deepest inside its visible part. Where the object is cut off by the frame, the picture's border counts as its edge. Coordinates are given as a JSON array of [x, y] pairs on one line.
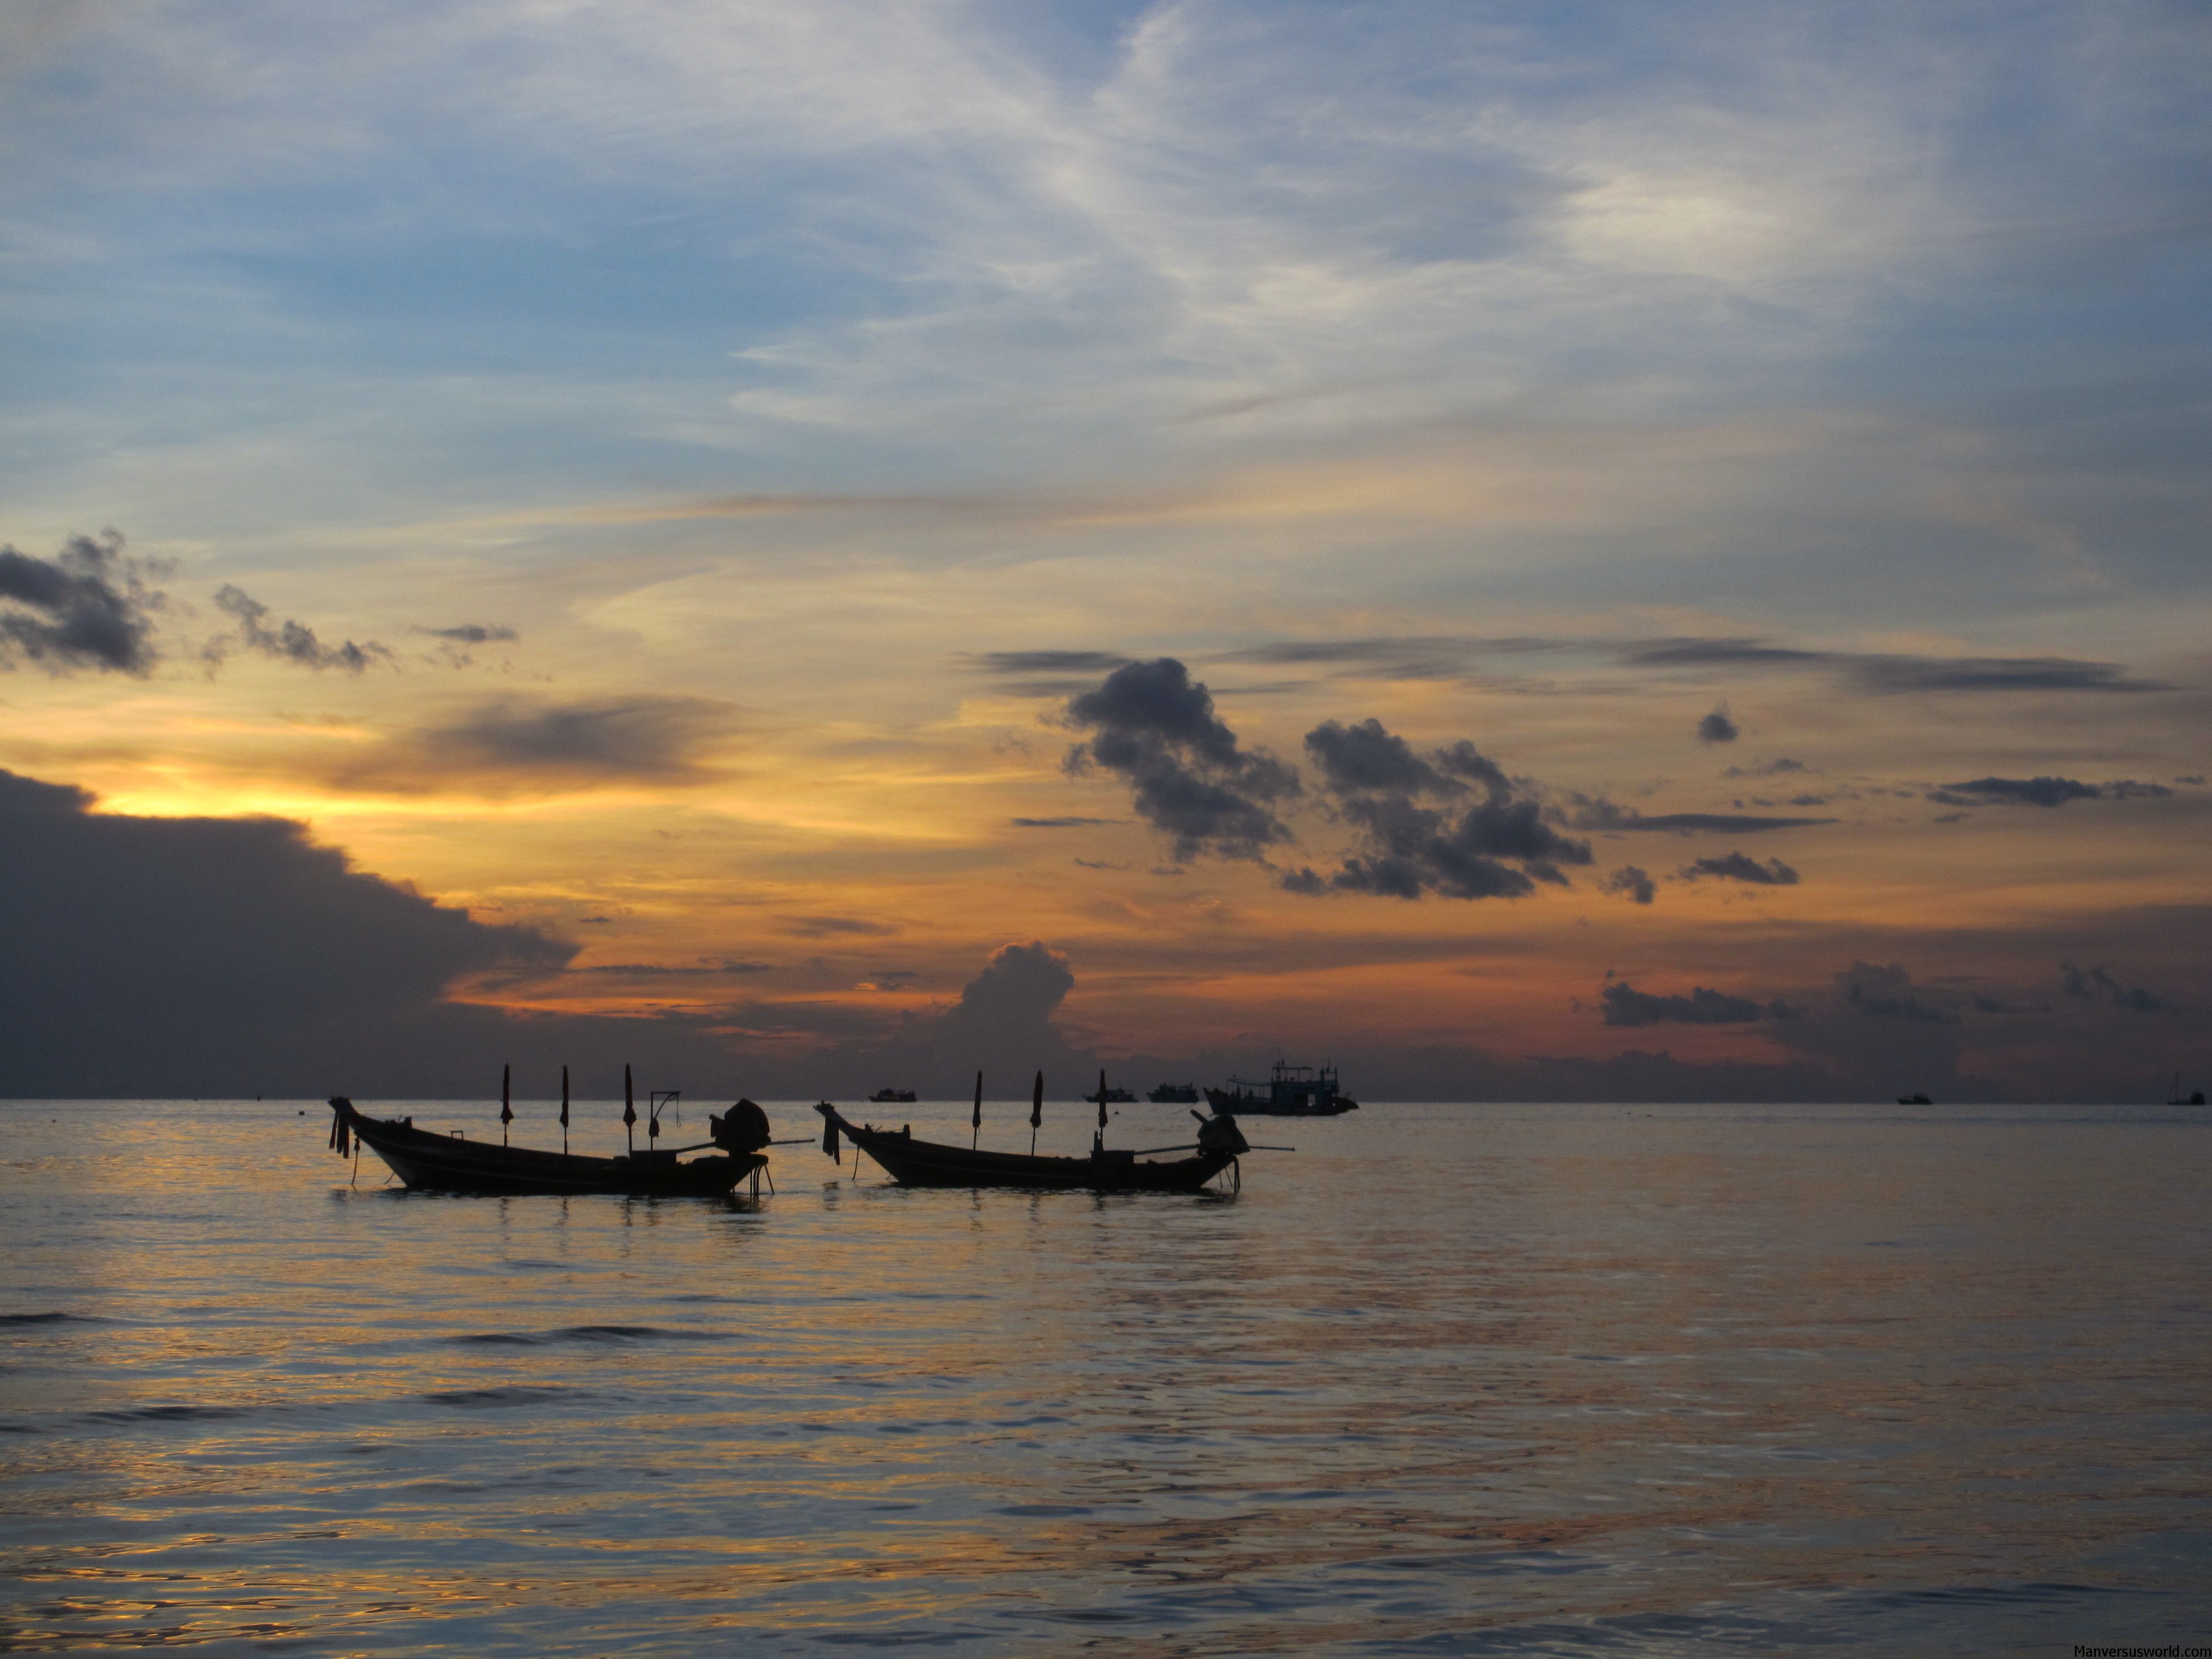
[[452, 1164], [914, 1163]]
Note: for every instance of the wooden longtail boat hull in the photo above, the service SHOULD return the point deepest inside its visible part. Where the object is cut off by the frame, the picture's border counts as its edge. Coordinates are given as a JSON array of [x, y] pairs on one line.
[[914, 1163], [435, 1163]]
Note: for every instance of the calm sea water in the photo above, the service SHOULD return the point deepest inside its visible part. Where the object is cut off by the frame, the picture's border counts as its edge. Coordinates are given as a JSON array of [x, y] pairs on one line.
[[1445, 1380]]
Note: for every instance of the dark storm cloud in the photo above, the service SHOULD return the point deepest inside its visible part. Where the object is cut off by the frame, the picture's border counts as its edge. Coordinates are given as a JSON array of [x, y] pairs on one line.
[[1422, 827], [178, 956], [1596, 812], [509, 744], [2096, 985], [1157, 727], [1717, 728], [1631, 882], [87, 607], [288, 641], [1740, 866], [1622, 1005], [2045, 792]]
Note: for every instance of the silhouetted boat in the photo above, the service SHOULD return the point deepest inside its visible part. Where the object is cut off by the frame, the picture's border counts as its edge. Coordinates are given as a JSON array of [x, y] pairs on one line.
[[1175, 1094], [1290, 1091], [1113, 1097], [1914, 1100], [914, 1163], [2175, 1097], [452, 1164], [893, 1098]]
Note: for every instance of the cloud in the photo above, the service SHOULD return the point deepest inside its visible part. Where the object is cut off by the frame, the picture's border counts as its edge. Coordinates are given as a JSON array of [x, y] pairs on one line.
[[1717, 728], [509, 744], [1740, 866], [1158, 729], [1895, 673], [2096, 985], [1005, 1013], [1879, 992], [1050, 662], [87, 607], [1596, 812], [828, 926], [1059, 823], [1622, 1005], [1414, 835], [1632, 882], [289, 641], [470, 634], [186, 956], [2047, 791], [1773, 769]]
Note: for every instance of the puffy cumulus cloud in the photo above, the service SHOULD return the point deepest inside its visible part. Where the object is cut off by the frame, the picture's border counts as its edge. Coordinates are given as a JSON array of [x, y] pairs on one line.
[[2097, 985], [2046, 791], [1740, 866], [1717, 728], [510, 744], [87, 607], [1188, 776], [1630, 881], [294, 642], [1449, 822]]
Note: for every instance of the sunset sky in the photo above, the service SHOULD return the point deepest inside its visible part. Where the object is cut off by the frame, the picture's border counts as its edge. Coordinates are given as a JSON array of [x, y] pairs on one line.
[[764, 507]]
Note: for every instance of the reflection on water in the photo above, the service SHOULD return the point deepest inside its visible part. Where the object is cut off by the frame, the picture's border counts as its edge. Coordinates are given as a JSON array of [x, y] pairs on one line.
[[1449, 1379]]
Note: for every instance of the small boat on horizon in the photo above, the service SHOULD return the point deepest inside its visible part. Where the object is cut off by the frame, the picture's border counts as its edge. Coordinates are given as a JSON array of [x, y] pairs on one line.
[[1111, 1098], [1914, 1100], [1292, 1091], [892, 1097], [1175, 1094], [2175, 1097]]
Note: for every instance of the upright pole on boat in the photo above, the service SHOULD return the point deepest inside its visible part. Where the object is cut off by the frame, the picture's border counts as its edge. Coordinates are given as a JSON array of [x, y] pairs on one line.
[[564, 1111], [975, 1123], [1099, 1139], [630, 1111], [1037, 1111], [506, 1100]]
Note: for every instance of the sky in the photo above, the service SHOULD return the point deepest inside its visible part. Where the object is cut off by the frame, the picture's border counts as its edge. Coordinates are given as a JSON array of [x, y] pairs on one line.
[[1533, 552]]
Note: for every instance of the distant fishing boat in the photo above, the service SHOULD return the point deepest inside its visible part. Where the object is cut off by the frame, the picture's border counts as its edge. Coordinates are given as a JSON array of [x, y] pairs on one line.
[[2175, 1097], [1175, 1094], [893, 1098], [1914, 1100], [1290, 1091], [914, 1163], [451, 1163], [1111, 1098]]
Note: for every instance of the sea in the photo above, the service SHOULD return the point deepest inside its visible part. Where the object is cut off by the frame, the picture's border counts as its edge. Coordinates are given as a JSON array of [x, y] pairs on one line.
[[1438, 1380]]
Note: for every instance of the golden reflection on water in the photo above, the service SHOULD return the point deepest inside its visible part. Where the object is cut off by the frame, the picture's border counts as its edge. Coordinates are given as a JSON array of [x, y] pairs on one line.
[[1566, 1376]]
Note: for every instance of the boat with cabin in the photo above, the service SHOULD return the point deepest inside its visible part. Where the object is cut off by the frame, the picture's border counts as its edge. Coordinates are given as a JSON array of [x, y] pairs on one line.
[[1174, 1094], [1290, 1091]]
